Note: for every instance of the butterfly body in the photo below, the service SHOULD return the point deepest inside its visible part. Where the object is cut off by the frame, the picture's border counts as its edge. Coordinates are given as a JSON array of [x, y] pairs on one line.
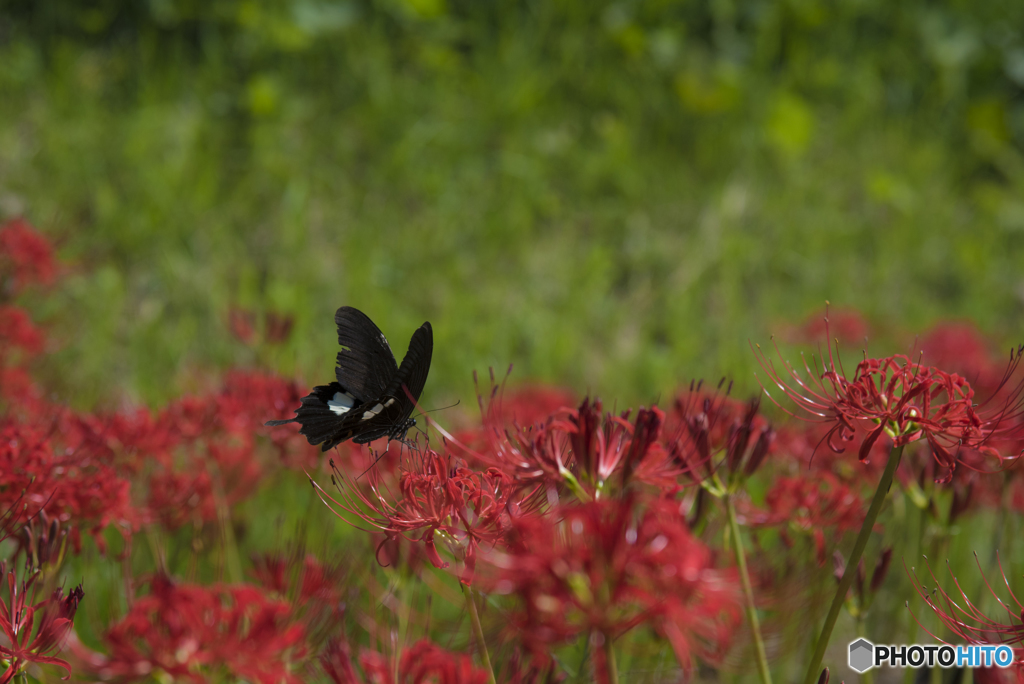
[[372, 396]]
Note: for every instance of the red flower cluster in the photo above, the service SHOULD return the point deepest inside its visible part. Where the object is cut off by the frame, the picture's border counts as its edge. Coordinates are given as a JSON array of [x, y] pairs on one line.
[[847, 324], [25, 257], [707, 426], [973, 626], [18, 332], [438, 500], [277, 328], [197, 454], [191, 633], [609, 566], [423, 663], [959, 348], [811, 505], [306, 580], [315, 589], [33, 632], [904, 400], [82, 489], [576, 448]]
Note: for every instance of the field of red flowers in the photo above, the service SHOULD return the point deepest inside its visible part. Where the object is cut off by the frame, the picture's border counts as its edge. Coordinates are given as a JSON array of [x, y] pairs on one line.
[[546, 540]]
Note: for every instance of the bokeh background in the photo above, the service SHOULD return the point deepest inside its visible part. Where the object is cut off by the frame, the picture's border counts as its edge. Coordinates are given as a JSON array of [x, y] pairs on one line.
[[615, 197]]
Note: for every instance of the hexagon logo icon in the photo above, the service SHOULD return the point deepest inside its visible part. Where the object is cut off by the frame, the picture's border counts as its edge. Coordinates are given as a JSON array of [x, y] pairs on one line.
[[862, 654]]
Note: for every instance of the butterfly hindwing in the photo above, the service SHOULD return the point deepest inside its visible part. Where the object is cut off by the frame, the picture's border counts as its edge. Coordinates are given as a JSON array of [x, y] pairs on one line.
[[365, 364], [321, 413]]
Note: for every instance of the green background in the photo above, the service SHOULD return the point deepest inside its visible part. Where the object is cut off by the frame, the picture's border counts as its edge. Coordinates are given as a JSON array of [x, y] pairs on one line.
[[614, 197]]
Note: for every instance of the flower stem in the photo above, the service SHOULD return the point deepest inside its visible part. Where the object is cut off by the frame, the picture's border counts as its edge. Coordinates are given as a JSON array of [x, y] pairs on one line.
[[748, 593], [814, 666], [867, 677], [609, 660], [478, 632], [228, 541]]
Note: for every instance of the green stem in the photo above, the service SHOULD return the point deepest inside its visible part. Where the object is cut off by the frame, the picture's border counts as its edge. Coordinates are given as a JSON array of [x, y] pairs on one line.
[[814, 667], [748, 593], [868, 677], [909, 674], [609, 660], [227, 530], [478, 632]]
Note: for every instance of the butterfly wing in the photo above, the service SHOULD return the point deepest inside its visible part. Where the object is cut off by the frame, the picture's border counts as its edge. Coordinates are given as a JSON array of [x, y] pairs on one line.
[[366, 364], [389, 415], [413, 372], [369, 400], [321, 414]]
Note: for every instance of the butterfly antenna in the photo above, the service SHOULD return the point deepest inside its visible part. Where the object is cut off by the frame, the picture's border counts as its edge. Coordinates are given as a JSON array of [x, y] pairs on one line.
[[440, 409], [380, 455]]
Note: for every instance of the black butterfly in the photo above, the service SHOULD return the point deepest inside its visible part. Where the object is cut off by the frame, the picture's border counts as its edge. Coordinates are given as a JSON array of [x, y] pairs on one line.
[[369, 400]]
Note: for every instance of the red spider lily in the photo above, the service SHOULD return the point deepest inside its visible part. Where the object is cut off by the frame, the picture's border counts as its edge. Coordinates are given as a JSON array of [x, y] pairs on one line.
[[71, 484], [515, 434], [196, 489], [189, 633], [18, 331], [810, 505], [969, 623], [606, 567], [25, 256], [80, 462], [315, 589], [900, 398], [422, 663], [707, 425], [523, 406], [43, 542], [602, 447], [33, 632], [304, 580], [19, 339], [242, 324], [848, 324], [574, 442], [797, 447], [960, 348], [202, 446], [20, 391], [538, 455], [437, 498], [278, 327]]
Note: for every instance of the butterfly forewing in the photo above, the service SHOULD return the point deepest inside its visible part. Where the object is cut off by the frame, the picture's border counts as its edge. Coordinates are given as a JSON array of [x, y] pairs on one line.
[[389, 415], [415, 366], [366, 364]]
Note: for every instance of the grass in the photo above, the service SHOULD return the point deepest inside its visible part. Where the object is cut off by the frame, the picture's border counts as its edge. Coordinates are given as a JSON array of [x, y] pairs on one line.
[[616, 219]]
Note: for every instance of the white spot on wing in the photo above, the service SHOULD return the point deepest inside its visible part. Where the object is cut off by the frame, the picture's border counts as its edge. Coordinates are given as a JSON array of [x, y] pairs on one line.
[[371, 413], [341, 403], [390, 401]]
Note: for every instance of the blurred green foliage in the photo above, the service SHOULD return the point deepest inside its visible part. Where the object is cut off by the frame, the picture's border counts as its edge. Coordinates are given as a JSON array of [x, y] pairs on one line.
[[613, 196]]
